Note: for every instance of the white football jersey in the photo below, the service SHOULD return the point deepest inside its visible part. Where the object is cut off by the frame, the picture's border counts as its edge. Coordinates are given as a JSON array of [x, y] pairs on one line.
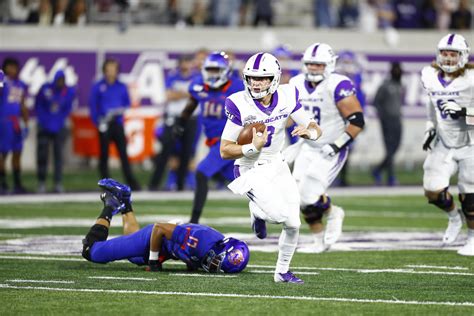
[[241, 109], [321, 102], [454, 133]]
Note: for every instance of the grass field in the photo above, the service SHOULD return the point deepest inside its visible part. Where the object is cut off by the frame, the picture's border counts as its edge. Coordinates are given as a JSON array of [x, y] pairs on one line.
[[41, 271]]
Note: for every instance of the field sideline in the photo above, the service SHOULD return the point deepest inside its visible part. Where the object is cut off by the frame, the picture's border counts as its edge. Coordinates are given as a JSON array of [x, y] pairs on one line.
[[389, 260]]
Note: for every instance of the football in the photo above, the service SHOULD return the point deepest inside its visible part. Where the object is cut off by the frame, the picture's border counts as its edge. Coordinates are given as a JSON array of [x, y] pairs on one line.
[[246, 135]]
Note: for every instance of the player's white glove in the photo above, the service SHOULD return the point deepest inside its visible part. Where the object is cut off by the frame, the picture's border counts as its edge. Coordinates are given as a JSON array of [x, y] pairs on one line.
[[430, 135], [453, 109], [329, 150]]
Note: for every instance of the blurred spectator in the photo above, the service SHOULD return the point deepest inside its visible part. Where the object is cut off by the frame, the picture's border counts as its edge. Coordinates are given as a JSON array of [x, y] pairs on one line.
[[77, 12], [19, 10], [177, 83], [408, 14], [444, 10], [428, 14], [348, 14], [388, 102], [59, 17], [13, 123], [225, 12], [53, 106], [43, 15], [462, 17], [263, 12], [198, 14], [385, 13], [108, 101], [322, 13]]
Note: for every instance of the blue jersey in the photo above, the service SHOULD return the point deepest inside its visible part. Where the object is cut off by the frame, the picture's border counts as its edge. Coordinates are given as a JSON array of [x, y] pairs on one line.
[[211, 103], [191, 243], [53, 105], [107, 97], [14, 92]]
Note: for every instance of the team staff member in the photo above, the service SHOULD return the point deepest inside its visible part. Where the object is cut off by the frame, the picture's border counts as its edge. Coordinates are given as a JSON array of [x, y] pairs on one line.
[[109, 99], [53, 106]]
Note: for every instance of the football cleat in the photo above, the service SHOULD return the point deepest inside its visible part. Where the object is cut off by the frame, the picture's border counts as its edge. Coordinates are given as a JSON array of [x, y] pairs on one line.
[[259, 227], [112, 201], [122, 192], [453, 230], [334, 225], [288, 277], [468, 248]]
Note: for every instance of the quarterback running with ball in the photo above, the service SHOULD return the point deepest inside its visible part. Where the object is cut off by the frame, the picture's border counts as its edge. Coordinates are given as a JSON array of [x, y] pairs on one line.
[[260, 170]]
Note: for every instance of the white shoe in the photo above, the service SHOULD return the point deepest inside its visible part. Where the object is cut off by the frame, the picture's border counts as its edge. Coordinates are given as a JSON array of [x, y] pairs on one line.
[[453, 230], [468, 248], [334, 225]]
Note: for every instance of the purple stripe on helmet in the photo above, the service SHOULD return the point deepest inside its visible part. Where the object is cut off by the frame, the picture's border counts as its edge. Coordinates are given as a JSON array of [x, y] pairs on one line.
[[257, 61], [314, 50], [451, 39]]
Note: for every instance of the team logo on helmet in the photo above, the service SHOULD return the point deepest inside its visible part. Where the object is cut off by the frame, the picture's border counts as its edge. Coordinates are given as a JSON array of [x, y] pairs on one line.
[[235, 257]]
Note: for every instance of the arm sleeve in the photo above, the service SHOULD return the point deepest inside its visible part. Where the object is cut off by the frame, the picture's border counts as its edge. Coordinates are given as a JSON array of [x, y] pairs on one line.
[[232, 112], [231, 131], [344, 89]]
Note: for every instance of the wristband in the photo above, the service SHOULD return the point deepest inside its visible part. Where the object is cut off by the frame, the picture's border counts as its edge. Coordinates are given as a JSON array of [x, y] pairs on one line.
[[153, 255], [343, 140], [313, 134], [250, 150]]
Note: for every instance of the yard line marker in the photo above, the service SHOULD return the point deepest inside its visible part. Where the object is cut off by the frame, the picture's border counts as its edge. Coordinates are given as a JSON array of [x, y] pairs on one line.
[[40, 281], [121, 278], [234, 295], [202, 275], [435, 267], [40, 258]]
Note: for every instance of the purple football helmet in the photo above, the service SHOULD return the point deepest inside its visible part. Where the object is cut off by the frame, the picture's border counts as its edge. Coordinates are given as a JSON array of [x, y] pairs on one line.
[[229, 256], [216, 69]]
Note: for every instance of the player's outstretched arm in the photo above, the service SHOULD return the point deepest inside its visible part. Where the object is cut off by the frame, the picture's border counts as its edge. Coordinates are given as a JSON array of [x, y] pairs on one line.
[[160, 230]]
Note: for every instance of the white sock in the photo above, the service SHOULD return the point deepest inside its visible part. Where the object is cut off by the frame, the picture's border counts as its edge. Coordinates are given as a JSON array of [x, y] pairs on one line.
[[470, 233], [287, 245], [453, 213]]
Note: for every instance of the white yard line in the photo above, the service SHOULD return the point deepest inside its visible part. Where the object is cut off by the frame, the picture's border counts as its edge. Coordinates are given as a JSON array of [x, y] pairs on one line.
[[202, 275], [213, 195], [422, 266], [121, 278], [235, 295], [40, 281]]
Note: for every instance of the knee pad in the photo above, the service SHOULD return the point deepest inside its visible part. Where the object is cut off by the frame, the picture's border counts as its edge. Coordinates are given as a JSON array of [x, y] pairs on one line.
[[467, 204], [444, 200], [96, 233], [314, 212]]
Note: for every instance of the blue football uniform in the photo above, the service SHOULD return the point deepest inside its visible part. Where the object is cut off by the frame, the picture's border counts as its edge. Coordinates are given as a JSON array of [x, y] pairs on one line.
[[213, 118], [13, 93], [189, 243]]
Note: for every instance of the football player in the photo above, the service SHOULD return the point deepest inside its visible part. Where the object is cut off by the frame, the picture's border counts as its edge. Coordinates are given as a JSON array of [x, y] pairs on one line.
[[200, 247], [449, 135], [209, 91], [332, 99], [13, 123], [260, 170]]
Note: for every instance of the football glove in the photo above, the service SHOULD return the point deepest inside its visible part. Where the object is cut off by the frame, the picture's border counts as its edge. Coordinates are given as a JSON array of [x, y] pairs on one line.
[[430, 135], [178, 127], [453, 109], [153, 266]]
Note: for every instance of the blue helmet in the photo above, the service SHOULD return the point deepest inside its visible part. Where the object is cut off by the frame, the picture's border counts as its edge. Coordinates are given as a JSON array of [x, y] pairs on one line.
[[229, 256], [216, 69]]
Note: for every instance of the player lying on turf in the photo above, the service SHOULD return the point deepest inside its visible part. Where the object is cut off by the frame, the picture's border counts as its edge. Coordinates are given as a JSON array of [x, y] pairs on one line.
[[196, 245]]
